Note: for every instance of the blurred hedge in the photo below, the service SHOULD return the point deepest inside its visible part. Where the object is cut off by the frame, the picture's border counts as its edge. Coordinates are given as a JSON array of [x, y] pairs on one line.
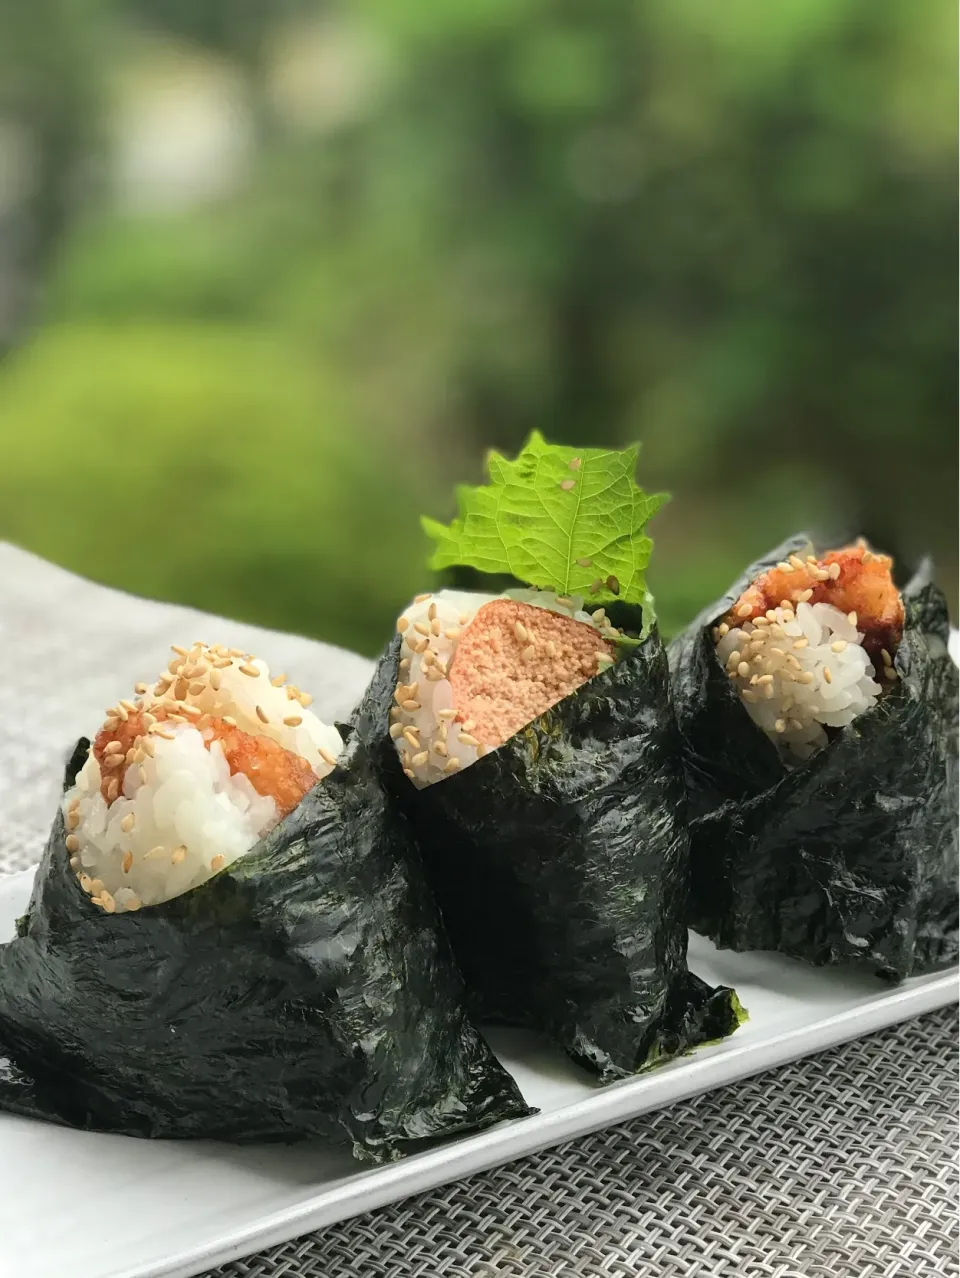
[[726, 230]]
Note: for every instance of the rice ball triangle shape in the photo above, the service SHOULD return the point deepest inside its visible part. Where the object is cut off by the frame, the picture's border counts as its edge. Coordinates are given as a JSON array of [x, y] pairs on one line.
[[229, 936], [817, 705], [535, 754]]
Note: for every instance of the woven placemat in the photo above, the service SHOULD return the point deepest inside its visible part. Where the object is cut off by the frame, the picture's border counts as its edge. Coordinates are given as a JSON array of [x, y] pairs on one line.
[[843, 1165]]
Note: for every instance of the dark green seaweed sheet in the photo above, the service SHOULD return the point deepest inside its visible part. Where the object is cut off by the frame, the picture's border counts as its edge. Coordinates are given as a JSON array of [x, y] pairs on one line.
[[850, 856], [560, 865], [303, 991]]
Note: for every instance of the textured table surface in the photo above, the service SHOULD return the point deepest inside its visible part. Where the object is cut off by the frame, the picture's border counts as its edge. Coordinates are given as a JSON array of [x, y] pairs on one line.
[[843, 1165]]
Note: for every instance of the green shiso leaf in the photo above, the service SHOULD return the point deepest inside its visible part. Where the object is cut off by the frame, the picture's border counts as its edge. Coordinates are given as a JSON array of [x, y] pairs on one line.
[[566, 519]]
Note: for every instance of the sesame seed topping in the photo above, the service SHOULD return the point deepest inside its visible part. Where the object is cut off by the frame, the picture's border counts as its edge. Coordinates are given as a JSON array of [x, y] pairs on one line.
[[396, 730], [440, 747], [567, 484], [421, 627], [744, 610], [75, 863], [828, 674], [262, 714], [852, 618], [155, 853], [889, 672], [179, 854], [410, 736], [767, 678], [784, 566], [723, 629], [421, 598], [127, 862], [420, 758], [408, 773], [452, 633], [217, 862], [403, 624], [834, 571], [838, 645], [743, 670], [780, 725], [229, 720], [128, 822], [467, 739], [801, 643], [887, 659], [520, 630], [251, 671], [107, 902], [452, 765], [797, 563], [529, 653], [132, 903], [72, 843]]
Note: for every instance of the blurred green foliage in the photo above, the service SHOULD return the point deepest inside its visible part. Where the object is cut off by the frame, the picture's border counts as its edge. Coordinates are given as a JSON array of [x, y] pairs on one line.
[[727, 231]]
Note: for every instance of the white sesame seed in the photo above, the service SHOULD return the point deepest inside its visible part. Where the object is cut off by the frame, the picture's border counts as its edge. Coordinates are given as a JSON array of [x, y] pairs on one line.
[[887, 659], [838, 645], [743, 670], [293, 721], [217, 862], [402, 624], [420, 759], [179, 854], [834, 571], [828, 674], [852, 618], [520, 630], [780, 725], [128, 822], [396, 730], [744, 610], [797, 563], [452, 765]]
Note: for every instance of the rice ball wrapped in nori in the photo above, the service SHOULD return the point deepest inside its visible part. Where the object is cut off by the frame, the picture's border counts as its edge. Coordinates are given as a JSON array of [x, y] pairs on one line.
[[534, 748], [818, 709], [230, 937]]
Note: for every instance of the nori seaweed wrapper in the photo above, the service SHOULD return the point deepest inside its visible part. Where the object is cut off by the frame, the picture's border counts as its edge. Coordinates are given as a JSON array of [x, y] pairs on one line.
[[560, 863], [305, 990], [851, 855]]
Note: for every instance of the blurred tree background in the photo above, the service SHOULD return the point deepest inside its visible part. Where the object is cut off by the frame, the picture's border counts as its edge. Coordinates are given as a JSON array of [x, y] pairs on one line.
[[275, 273]]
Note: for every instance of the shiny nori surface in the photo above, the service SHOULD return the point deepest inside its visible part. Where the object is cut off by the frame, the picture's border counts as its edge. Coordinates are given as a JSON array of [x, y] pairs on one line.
[[851, 856], [560, 865], [304, 990]]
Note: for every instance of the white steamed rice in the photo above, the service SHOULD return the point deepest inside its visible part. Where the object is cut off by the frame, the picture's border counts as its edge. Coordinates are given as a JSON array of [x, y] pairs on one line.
[[799, 674], [181, 816]]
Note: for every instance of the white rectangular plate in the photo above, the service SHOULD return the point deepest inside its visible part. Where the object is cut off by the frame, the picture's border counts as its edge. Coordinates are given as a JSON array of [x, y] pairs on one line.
[[88, 1206]]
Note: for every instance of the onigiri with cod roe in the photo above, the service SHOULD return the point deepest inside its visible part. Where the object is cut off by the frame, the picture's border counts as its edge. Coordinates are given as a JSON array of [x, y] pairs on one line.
[[474, 669]]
